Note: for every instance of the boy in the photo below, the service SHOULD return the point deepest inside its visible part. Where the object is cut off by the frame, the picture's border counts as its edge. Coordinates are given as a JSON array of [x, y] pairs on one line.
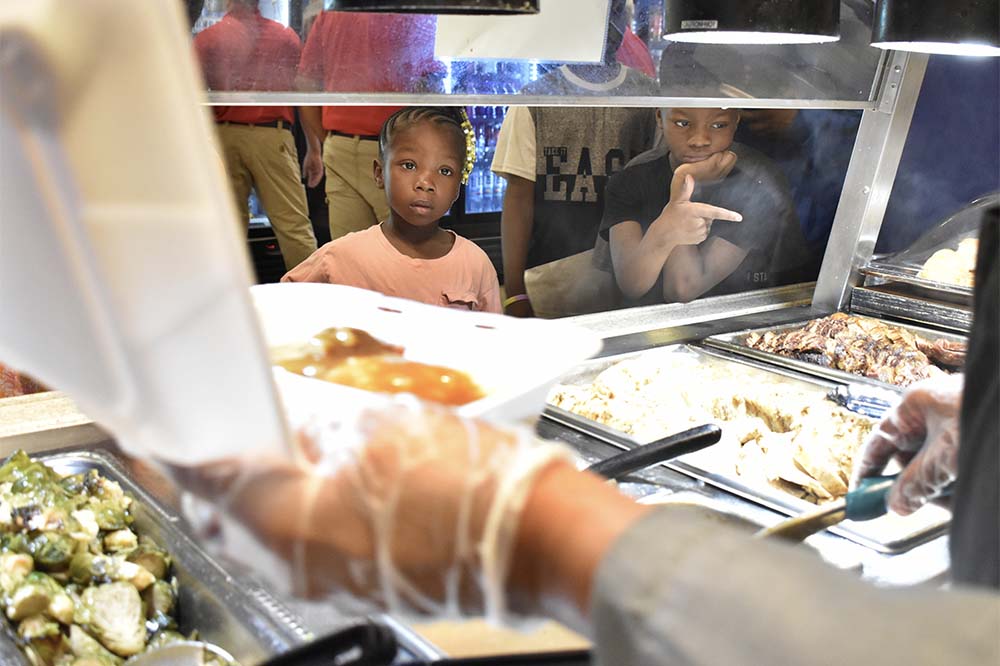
[[705, 218]]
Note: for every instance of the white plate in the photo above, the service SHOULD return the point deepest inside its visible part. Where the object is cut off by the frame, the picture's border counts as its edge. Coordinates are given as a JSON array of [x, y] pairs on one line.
[[515, 361]]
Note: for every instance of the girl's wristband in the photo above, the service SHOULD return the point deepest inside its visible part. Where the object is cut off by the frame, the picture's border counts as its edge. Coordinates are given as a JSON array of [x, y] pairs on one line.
[[514, 299]]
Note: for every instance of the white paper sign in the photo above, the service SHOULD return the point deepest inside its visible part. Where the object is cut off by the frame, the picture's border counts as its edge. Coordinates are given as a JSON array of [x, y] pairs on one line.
[[562, 31]]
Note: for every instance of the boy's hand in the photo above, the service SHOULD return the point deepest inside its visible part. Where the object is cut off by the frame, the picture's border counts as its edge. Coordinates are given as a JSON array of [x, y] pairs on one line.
[[715, 167], [686, 222]]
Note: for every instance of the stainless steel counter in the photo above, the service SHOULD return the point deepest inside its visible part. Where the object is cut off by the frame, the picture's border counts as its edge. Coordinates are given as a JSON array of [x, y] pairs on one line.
[[624, 331], [644, 328]]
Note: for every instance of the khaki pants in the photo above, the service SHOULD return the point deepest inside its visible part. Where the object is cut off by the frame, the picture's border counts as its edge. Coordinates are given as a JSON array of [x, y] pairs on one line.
[[355, 202], [265, 158]]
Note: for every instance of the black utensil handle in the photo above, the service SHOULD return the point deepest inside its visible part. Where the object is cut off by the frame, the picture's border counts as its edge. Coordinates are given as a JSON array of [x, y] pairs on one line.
[[668, 448], [563, 658], [370, 644]]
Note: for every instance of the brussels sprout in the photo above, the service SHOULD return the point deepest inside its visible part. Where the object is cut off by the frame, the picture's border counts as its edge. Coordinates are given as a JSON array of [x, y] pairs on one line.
[[86, 568], [132, 573], [75, 484], [160, 598], [83, 525], [16, 542], [37, 627], [61, 607], [32, 596], [84, 645], [110, 514], [106, 489], [13, 569], [42, 640], [31, 478], [39, 593], [52, 550], [113, 614], [151, 558], [27, 516], [118, 540]]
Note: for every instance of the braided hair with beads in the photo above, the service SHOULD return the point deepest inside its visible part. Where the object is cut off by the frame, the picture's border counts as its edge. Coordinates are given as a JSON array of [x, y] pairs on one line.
[[451, 115]]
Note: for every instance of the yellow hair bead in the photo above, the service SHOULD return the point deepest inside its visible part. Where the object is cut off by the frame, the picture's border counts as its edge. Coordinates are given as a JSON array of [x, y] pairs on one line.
[[470, 146]]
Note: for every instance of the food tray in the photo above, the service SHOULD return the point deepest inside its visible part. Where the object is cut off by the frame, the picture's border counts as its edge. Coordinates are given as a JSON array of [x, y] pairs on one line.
[[241, 618], [514, 361], [904, 279], [888, 534], [886, 302], [736, 342]]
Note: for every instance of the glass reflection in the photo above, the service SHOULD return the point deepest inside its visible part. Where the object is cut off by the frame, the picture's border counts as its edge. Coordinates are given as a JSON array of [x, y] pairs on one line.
[[659, 239], [358, 52], [245, 51]]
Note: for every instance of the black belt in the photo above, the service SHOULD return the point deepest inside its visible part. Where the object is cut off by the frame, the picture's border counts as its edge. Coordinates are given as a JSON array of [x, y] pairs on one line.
[[280, 124], [363, 137]]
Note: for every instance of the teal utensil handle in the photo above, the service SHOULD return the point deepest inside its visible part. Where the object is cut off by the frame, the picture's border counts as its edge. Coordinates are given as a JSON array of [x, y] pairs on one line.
[[868, 500]]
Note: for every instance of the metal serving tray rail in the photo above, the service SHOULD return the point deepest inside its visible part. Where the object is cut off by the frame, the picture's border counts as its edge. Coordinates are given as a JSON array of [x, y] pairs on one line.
[[884, 302], [888, 534], [735, 342], [906, 278]]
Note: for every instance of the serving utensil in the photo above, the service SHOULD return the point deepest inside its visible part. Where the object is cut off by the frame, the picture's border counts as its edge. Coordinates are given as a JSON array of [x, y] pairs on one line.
[[659, 451], [866, 502]]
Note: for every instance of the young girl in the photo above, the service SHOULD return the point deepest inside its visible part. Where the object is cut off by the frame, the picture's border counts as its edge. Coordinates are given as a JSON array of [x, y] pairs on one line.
[[425, 154]]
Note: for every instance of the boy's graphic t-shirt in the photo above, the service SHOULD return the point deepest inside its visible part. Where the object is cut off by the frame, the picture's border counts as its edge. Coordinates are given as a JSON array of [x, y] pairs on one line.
[[464, 278], [569, 153], [769, 232]]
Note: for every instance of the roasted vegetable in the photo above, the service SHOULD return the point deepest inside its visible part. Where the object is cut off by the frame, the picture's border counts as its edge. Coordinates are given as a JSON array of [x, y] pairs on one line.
[[39, 593], [159, 599], [113, 614], [52, 551], [38, 627], [124, 539], [43, 639], [87, 568], [151, 558], [72, 569], [13, 569], [84, 645]]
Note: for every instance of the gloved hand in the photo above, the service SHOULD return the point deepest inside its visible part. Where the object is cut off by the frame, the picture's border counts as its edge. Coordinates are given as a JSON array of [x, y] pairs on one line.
[[411, 507], [922, 433]]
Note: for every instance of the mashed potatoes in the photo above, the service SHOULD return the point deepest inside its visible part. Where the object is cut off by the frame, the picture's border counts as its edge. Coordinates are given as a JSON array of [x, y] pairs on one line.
[[953, 266], [775, 432]]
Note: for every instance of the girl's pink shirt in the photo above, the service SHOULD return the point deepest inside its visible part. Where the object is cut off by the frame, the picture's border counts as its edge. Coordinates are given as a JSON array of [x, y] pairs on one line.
[[464, 278]]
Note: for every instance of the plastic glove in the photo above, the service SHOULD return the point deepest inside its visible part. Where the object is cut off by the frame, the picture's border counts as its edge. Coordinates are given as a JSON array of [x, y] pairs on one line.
[[922, 433], [411, 507]]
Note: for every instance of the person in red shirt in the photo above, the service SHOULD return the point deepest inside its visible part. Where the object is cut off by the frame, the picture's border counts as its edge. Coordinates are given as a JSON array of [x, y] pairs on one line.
[[245, 51], [634, 53], [358, 52]]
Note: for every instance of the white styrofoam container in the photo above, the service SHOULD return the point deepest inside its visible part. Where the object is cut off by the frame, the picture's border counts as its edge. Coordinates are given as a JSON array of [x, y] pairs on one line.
[[515, 361]]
